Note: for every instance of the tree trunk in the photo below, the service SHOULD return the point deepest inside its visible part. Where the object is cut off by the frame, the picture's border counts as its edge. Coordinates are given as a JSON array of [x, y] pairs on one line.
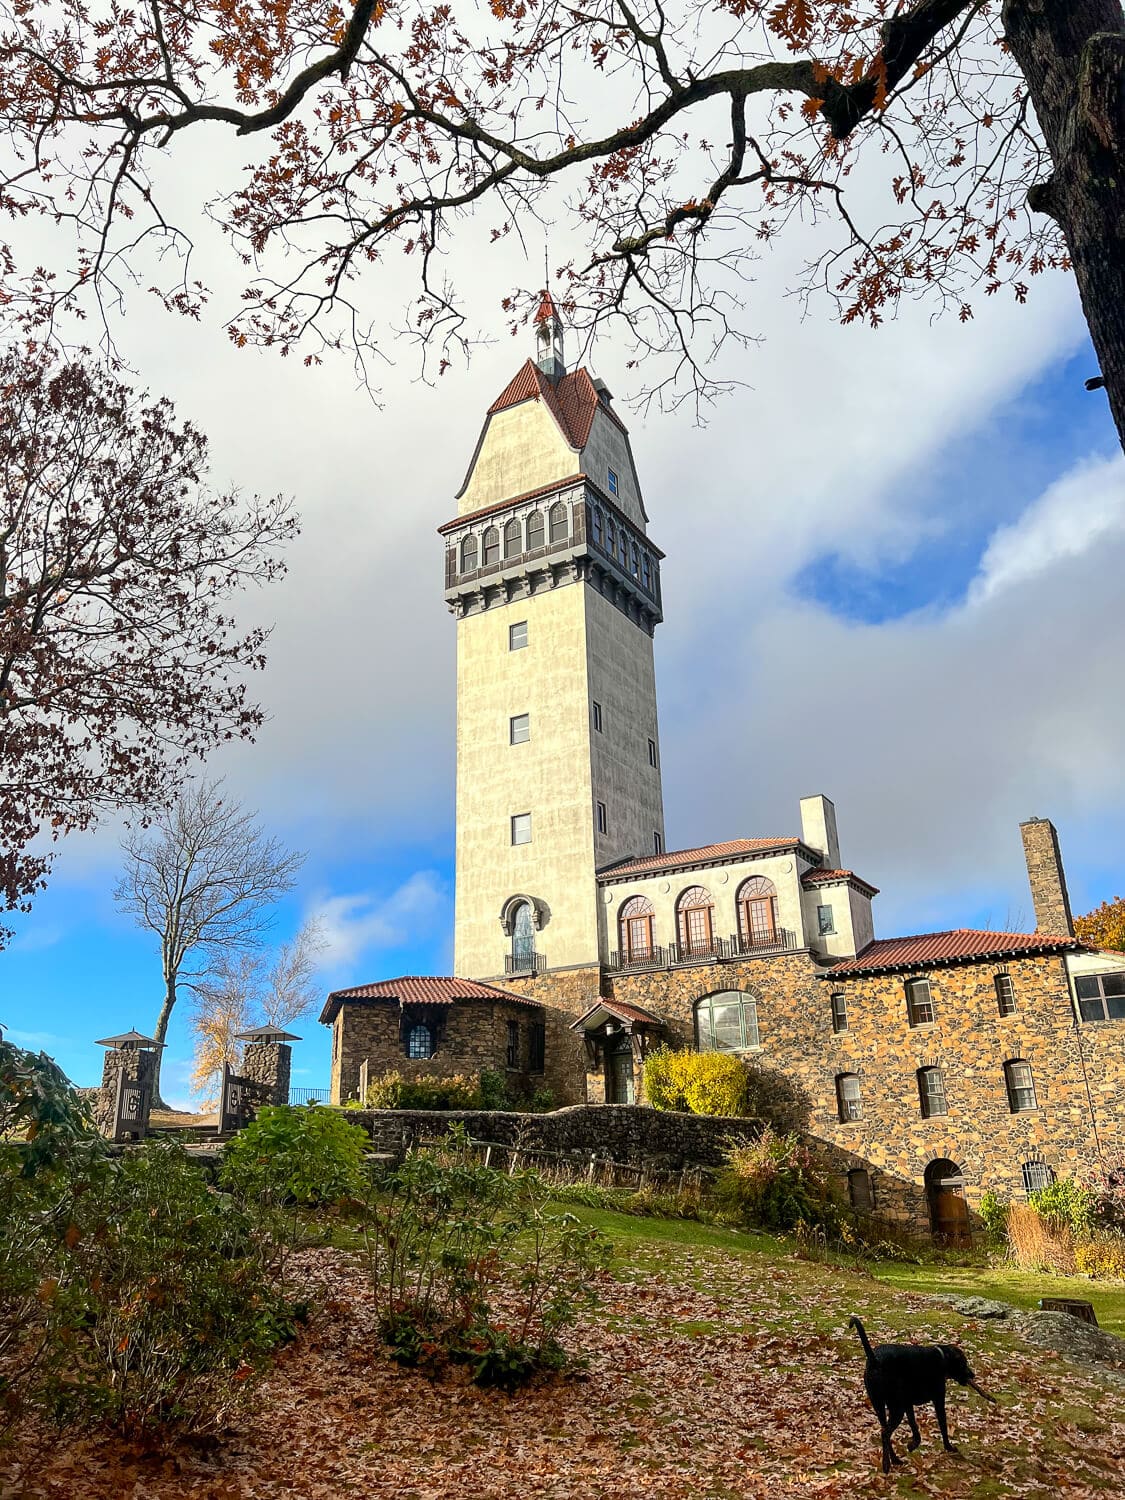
[[1072, 54], [160, 1036]]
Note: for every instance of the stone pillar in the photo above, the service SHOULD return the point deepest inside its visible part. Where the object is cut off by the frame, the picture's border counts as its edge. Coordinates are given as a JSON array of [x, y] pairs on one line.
[[138, 1066], [269, 1063], [1046, 877]]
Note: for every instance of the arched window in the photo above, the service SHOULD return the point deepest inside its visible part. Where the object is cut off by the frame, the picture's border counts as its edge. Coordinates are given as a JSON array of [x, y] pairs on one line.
[[635, 926], [636, 561], [419, 1042], [693, 920], [513, 538], [535, 532], [491, 546], [469, 555], [559, 528], [1021, 1086], [860, 1190], [726, 1022], [646, 572], [757, 913], [523, 934], [1037, 1175], [931, 1092], [849, 1100]]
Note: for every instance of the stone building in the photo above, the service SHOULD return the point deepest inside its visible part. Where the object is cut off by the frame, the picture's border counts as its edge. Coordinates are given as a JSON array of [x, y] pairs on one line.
[[931, 1067]]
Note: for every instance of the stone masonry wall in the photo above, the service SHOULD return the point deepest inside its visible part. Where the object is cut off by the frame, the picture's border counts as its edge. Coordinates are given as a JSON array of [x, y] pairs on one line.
[[270, 1064], [565, 996], [623, 1133], [473, 1035], [138, 1066], [1046, 877]]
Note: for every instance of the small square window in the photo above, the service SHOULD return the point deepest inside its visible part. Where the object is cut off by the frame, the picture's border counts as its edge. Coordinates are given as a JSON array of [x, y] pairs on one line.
[[657, 842], [519, 729], [517, 636], [652, 752], [598, 717], [521, 828], [603, 818], [612, 482], [825, 921]]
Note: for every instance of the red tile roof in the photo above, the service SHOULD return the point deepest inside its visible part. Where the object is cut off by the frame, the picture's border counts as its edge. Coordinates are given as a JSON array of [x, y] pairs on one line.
[[420, 989], [546, 308], [622, 1010], [706, 854], [930, 949], [834, 877], [572, 400]]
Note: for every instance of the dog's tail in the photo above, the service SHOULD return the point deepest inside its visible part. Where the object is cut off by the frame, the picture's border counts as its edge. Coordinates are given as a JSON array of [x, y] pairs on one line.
[[859, 1328]]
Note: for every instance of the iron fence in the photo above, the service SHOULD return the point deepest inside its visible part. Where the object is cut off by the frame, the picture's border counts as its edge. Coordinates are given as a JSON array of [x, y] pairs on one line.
[[309, 1096], [675, 955]]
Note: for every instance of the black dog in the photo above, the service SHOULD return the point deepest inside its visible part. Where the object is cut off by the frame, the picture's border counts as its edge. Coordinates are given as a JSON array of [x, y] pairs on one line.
[[899, 1377]]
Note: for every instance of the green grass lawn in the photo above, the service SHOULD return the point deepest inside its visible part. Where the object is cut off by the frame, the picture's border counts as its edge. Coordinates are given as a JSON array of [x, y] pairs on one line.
[[1005, 1283]]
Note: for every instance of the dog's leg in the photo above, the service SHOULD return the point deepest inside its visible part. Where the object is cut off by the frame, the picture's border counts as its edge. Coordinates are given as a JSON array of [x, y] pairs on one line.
[[939, 1408], [894, 1417], [915, 1435]]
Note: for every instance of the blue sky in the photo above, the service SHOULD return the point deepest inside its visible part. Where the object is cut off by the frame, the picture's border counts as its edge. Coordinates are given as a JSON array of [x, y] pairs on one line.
[[864, 596]]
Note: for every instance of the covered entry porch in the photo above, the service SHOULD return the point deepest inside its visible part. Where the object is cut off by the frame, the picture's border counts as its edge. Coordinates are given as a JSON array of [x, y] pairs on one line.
[[617, 1037]]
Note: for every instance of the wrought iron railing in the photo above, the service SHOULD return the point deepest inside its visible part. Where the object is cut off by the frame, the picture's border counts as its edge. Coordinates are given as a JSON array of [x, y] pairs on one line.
[[524, 963], [309, 1096], [676, 955]]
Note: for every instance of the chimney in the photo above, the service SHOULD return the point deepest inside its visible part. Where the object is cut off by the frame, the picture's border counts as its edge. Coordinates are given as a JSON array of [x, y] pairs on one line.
[[1046, 877], [818, 829]]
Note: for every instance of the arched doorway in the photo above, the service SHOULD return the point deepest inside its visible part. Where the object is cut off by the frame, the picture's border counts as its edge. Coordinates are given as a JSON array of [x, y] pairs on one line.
[[945, 1194]]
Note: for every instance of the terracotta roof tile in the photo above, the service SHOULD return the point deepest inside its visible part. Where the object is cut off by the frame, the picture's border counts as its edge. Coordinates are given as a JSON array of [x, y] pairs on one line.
[[703, 855], [929, 949], [622, 1010], [572, 400], [834, 877], [546, 308], [420, 989]]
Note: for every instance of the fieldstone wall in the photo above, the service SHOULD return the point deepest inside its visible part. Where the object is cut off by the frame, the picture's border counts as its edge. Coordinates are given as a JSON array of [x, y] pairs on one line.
[[270, 1064], [471, 1035], [1046, 877], [629, 1134], [137, 1066], [565, 996]]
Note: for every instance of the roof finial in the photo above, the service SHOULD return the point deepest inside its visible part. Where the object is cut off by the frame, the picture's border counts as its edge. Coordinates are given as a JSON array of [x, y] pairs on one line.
[[548, 328]]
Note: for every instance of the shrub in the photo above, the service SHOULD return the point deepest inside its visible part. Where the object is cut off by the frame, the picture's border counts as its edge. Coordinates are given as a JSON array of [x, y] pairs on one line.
[[993, 1211], [469, 1267], [704, 1083], [163, 1305], [1065, 1205], [394, 1091], [1103, 1255], [303, 1155], [1038, 1242], [1106, 1184], [773, 1183], [492, 1090]]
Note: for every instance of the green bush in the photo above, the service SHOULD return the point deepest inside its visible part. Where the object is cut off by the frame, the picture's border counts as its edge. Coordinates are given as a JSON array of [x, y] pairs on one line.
[[703, 1083], [304, 1155], [163, 1306], [468, 1266], [395, 1091], [1066, 1204], [772, 1183], [993, 1211]]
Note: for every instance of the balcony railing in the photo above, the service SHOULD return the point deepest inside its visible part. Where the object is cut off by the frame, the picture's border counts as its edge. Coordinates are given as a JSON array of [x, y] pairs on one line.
[[308, 1096], [676, 955], [524, 963]]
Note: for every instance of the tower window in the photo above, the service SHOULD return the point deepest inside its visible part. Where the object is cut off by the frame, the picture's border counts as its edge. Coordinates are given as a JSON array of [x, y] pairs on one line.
[[597, 716], [599, 527], [559, 528], [519, 729], [849, 1100], [491, 547], [657, 842], [517, 636], [611, 538], [1021, 1087], [931, 1092], [513, 539], [521, 828], [603, 818], [536, 535], [825, 921], [612, 482], [1005, 995], [646, 572], [919, 1002], [636, 561], [652, 752], [469, 555], [839, 1011]]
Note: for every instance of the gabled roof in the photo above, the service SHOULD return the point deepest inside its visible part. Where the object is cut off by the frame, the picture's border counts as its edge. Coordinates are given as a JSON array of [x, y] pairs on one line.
[[620, 1010], [961, 945], [838, 877], [419, 989], [733, 849], [572, 400]]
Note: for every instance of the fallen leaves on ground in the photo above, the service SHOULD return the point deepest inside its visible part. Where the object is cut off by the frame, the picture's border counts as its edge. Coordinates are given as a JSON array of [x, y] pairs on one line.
[[711, 1374]]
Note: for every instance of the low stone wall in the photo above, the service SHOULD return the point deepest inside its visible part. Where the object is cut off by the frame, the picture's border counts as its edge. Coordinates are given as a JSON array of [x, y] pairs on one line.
[[631, 1134]]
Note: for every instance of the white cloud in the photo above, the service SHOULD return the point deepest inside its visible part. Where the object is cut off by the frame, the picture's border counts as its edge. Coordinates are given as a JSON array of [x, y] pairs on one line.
[[358, 924], [1083, 508]]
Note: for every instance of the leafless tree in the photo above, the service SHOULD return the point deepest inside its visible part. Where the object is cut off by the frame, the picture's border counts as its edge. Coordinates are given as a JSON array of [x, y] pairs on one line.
[[203, 879]]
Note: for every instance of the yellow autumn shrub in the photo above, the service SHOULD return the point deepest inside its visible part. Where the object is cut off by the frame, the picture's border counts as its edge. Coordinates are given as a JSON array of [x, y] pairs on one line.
[[1102, 1256], [702, 1083]]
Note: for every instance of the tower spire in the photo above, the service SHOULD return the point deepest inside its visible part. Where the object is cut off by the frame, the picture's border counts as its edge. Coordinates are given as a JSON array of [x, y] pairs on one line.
[[549, 333]]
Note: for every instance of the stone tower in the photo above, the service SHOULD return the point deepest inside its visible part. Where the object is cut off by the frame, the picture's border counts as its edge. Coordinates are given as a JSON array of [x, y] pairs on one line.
[[556, 591]]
